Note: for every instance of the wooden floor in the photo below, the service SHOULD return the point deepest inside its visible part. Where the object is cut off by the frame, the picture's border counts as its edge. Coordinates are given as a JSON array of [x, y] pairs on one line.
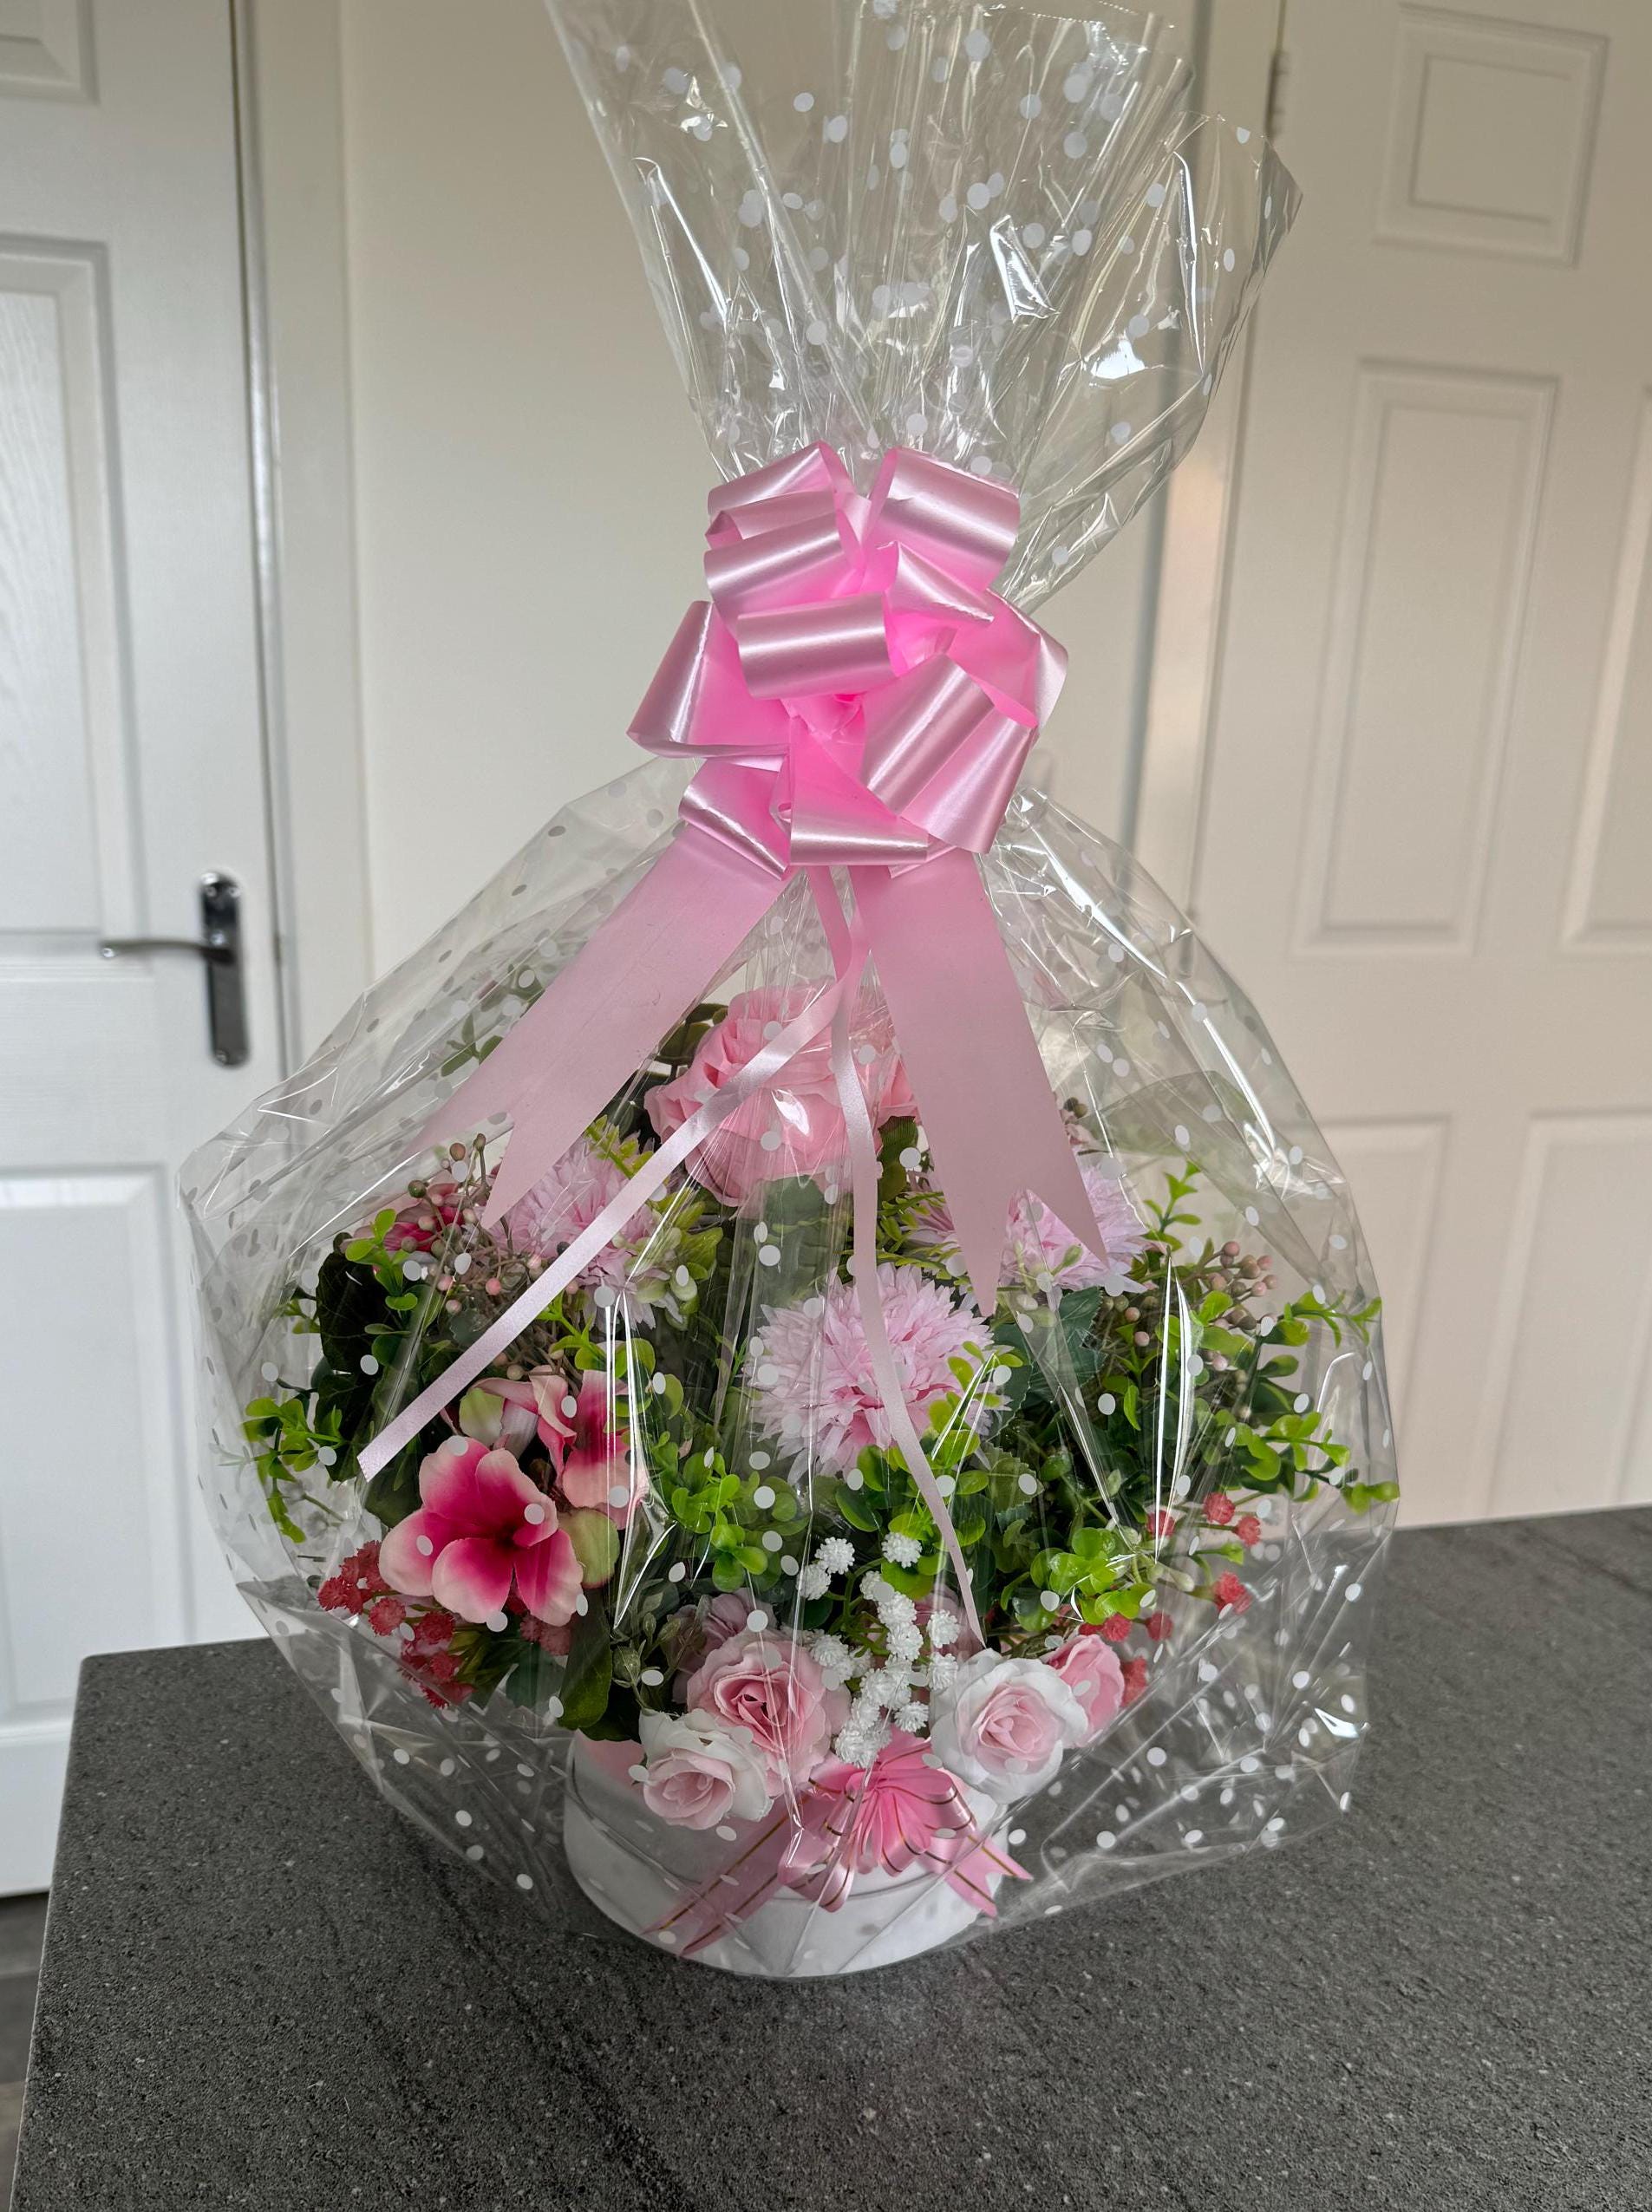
[[23, 1922]]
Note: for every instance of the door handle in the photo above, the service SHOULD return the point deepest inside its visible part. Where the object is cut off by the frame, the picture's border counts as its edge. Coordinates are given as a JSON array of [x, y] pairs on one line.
[[218, 949]]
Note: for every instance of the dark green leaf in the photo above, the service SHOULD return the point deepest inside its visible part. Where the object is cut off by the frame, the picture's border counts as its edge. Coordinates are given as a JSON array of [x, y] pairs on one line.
[[588, 1675]]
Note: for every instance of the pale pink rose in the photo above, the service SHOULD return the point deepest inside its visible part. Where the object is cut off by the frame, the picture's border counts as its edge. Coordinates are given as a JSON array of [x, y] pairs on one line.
[[699, 1630], [1090, 1668], [774, 1690], [700, 1774], [1004, 1724], [799, 1111]]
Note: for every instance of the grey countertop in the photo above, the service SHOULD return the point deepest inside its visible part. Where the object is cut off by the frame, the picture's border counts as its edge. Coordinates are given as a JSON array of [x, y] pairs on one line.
[[262, 1989]]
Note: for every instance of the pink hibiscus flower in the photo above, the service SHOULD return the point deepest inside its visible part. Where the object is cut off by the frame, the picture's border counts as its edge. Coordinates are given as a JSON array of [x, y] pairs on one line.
[[1036, 1244], [497, 1413], [810, 1374], [483, 1532], [792, 1126], [596, 1465]]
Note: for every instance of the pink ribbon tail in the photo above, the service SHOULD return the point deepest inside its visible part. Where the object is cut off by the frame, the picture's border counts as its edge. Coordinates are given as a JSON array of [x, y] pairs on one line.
[[863, 1159], [602, 1017], [751, 1876], [992, 1125]]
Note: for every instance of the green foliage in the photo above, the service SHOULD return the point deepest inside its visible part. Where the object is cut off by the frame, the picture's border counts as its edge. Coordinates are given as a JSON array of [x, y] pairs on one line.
[[1051, 1444], [589, 1671], [394, 1492]]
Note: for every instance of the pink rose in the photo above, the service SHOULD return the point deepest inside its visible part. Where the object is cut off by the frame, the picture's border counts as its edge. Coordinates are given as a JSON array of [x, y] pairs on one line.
[[699, 1773], [699, 1630], [1090, 1668], [759, 1682], [801, 1107], [1004, 1724]]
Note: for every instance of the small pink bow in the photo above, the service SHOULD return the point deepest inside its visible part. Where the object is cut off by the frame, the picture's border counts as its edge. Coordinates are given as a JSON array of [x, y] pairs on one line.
[[904, 1810]]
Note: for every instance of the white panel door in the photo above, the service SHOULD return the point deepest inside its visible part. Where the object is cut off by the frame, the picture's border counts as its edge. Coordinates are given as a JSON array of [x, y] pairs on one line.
[[1427, 841], [130, 764]]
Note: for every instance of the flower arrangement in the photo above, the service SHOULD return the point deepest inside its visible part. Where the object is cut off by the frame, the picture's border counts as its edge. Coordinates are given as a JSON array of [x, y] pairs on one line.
[[853, 1463], [651, 1528]]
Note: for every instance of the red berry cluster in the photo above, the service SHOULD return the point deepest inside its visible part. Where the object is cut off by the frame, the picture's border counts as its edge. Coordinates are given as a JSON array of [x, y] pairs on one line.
[[356, 1585], [427, 1660]]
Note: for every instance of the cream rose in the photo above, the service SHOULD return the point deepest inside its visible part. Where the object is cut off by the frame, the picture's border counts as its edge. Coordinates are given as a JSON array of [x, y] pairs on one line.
[[1004, 1724]]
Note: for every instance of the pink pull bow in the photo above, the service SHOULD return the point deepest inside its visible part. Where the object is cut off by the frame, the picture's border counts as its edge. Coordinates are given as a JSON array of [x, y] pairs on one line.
[[862, 696]]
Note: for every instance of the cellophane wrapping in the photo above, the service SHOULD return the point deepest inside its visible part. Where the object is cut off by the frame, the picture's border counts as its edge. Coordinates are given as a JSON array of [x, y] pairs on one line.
[[663, 1579]]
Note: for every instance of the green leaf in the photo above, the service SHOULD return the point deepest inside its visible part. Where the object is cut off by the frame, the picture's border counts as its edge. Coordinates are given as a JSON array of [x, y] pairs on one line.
[[1227, 1341], [619, 1723], [350, 1312], [536, 1677], [896, 1137], [911, 1581], [394, 1492], [590, 1672], [856, 1509]]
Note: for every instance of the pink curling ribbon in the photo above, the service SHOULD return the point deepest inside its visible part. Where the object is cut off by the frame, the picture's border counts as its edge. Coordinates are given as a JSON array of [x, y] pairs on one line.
[[904, 1810], [861, 699]]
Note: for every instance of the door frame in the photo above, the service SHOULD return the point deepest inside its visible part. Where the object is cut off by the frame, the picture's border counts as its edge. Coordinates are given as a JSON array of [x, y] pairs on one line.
[[1242, 61], [289, 100]]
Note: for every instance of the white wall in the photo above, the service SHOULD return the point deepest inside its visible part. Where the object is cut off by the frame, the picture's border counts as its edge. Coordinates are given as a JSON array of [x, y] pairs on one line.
[[530, 486]]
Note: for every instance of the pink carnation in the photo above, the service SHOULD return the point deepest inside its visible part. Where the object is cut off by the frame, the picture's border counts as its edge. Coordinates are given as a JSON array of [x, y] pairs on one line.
[[810, 1374], [564, 1204], [799, 1110], [1036, 1244]]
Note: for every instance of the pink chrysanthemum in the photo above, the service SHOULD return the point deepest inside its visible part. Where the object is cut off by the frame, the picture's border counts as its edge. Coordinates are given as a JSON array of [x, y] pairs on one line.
[[810, 1374], [1037, 1245], [565, 1201]]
